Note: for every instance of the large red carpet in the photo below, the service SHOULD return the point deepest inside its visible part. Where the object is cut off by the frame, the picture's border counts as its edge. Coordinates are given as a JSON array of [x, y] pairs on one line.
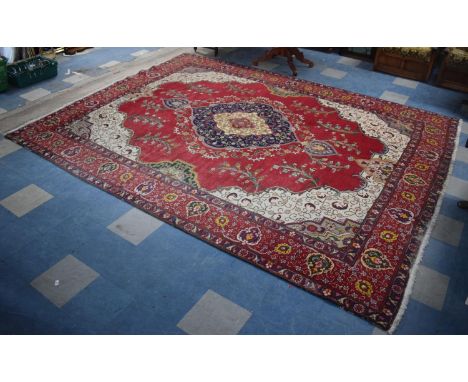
[[327, 189]]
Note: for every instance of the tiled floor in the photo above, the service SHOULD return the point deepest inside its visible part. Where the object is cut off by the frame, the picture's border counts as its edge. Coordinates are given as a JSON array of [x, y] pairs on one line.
[[71, 70], [74, 259]]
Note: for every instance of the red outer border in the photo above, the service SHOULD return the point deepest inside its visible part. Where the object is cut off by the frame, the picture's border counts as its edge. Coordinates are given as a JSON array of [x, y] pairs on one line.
[[418, 118]]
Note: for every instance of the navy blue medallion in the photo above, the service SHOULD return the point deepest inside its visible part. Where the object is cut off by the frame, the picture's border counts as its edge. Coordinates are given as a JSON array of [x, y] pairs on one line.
[[242, 125]]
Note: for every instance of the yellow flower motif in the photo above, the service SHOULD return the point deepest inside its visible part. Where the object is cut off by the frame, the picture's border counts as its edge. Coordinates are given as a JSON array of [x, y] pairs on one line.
[[283, 249], [387, 108], [326, 92], [421, 166], [170, 197], [431, 130], [388, 236], [222, 221], [126, 176], [432, 141], [408, 114], [364, 287], [408, 196]]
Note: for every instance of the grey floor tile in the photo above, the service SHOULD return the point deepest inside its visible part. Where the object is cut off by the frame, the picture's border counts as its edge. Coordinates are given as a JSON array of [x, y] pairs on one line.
[[394, 97], [333, 73], [109, 64], [135, 226], [214, 314], [430, 287], [35, 94], [464, 126], [25, 200], [448, 230], [457, 187], [64, 280], [140, 52], [75, 78], [349, 61], [462, 154], [7, 147], [405, 83]]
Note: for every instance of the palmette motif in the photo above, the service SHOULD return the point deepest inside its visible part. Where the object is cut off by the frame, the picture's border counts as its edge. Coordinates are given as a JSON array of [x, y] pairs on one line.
[[325, 188]]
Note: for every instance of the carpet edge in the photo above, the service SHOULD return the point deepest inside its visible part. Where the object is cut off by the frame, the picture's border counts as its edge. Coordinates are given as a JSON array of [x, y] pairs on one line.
[[425, 240]]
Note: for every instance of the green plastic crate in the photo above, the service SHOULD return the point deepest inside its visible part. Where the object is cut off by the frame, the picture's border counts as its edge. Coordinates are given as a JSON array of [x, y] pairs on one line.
[[3, 74], [30, 71]]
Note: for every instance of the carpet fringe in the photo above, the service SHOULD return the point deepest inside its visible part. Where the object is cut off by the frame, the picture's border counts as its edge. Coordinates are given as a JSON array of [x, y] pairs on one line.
[[425, 240]]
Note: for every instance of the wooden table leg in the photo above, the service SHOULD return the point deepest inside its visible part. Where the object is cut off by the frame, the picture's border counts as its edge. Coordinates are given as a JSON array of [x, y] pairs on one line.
[[291, 62], [300, 56]]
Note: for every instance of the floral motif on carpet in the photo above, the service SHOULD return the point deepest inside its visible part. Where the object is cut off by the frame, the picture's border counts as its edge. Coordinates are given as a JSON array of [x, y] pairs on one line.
[[327, 189]]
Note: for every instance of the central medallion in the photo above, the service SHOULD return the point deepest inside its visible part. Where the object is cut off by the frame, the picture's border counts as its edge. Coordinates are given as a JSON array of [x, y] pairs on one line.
[[242, 125]]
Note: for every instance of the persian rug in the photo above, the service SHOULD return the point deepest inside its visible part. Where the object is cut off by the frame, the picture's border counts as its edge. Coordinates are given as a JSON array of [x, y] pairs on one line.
[[327, 189]]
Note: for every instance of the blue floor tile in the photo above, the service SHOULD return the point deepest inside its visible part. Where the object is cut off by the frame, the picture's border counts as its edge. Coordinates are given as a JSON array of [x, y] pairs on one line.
[[97, 305], [419, 319]]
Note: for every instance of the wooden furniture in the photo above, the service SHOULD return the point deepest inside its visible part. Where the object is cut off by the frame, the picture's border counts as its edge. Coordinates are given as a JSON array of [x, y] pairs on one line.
[[453, 72], [463, 203], [413, 63], [72, 51], [289, 53]]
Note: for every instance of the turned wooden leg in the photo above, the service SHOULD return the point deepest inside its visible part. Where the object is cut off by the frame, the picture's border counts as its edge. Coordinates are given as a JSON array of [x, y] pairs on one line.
[[300, 56], [291, 63], [195, 49], [216, 52]]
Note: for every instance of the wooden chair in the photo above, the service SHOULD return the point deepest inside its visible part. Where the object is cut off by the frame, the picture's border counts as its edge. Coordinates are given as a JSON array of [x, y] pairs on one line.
[[413, 63], [453, 73]]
